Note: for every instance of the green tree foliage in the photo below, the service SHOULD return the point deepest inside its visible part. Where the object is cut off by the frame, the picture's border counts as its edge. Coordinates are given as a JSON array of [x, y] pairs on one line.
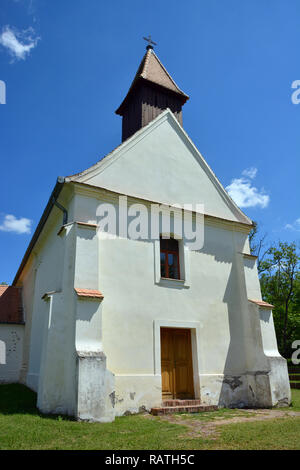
[[279, 270]]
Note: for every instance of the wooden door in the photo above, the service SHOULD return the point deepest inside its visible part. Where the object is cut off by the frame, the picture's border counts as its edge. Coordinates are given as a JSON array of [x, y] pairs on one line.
[[176, 363]]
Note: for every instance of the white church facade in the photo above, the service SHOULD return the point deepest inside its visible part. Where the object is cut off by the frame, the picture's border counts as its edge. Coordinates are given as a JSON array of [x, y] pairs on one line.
[[105, 324]]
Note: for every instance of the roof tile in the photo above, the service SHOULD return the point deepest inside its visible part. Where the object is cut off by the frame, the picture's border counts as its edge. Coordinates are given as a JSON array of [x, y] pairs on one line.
[[89, 293], [261, 303]]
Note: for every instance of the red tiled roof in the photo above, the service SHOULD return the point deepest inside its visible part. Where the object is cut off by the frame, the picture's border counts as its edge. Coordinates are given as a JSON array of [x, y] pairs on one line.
[[261, 303], [11, 310], [3, 288], [89, 293]]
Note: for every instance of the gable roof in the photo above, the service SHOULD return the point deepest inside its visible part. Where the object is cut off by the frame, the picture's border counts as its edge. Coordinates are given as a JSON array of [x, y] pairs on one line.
[[152, 70], [109, 159], [11, 310]]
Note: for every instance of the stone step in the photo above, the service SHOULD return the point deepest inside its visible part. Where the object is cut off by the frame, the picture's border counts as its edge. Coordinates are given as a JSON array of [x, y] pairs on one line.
[[181, 402], [165, 410]]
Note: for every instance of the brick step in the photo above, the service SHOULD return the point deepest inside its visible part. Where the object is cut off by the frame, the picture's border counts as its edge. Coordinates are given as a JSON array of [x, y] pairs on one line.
[[294, 377], [295, 385], [165, 410], [181, 402]]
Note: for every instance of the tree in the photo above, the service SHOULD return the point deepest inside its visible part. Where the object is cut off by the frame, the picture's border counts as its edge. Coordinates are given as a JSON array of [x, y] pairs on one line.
[[257, 245]]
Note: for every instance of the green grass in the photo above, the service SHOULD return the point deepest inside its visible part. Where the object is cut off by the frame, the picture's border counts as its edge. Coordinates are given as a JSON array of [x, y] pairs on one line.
[[223, 413], [279, 434], [23, 427]]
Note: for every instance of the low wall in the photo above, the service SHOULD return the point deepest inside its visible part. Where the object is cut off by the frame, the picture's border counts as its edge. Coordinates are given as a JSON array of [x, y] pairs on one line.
[[11, 349]]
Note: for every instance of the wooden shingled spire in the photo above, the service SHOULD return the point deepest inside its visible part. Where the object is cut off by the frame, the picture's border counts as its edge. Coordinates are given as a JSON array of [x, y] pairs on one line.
[[151, 92]]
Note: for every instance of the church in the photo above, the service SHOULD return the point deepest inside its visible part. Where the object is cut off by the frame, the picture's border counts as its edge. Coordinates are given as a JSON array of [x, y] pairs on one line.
[[101, 321]]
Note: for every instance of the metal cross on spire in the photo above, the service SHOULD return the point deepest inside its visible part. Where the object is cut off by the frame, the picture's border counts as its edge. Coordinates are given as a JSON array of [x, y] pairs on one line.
[[150, 42]]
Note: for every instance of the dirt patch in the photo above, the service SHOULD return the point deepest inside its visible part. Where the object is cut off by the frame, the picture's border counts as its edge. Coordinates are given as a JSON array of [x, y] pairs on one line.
[[211, 429]]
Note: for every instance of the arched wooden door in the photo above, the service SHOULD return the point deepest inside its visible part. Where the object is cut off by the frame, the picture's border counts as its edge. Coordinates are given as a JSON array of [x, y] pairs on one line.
[[176, 363]]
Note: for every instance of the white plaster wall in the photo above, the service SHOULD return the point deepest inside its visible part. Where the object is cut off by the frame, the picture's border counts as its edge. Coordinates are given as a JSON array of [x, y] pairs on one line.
[[252, 280], [27, 299], [133, 301], [45, 276], [73, 378], [57, 390], [123, 328], [279, 378], [11, 347], [268, 332], [160, 164]]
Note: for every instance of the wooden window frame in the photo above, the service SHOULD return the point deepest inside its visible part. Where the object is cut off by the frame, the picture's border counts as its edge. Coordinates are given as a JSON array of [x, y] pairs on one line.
[[176, 254]]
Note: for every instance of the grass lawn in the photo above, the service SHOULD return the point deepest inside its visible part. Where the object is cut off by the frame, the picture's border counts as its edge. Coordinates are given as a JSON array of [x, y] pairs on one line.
[[22, 427]]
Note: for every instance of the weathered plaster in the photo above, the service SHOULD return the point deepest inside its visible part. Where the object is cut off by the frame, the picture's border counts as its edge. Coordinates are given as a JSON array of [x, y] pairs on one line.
[[11, 348]]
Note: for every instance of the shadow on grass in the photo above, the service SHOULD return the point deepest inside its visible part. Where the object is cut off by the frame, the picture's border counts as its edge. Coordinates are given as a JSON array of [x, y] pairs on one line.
[[19, 399]]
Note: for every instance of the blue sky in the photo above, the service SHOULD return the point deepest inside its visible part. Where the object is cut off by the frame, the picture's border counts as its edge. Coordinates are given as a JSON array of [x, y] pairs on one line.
[[67, 65]]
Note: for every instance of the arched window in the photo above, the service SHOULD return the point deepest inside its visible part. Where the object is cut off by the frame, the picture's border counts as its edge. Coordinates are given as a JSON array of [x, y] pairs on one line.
[[169, 258]]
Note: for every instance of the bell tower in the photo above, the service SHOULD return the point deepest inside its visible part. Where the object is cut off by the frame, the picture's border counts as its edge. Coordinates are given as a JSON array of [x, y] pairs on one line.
[[151, 92]]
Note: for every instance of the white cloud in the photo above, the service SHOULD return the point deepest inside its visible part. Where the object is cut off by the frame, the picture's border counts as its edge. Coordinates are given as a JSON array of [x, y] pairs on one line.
[[12, 224], [294, 226], [244, 193], [18, 44], [250, 172]]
